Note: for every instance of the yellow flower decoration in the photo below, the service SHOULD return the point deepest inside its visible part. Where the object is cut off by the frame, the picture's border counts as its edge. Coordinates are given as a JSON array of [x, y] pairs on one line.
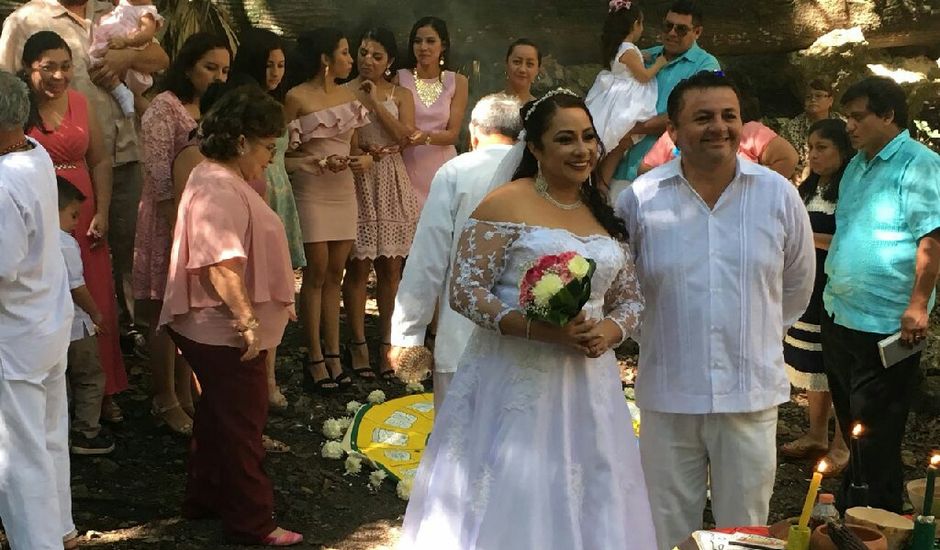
[[578, 266], [548, 286]]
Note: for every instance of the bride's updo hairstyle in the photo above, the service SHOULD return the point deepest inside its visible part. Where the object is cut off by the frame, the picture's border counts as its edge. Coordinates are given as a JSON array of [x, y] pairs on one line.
[[537, 116]]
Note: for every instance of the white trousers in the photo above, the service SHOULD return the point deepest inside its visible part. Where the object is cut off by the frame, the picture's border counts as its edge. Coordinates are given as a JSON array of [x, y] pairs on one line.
[[35, 495], [441, 382], [679, 451]]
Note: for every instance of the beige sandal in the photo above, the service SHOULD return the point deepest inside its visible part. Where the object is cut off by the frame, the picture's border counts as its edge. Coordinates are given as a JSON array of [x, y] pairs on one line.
[[173, 418], [274, 446]]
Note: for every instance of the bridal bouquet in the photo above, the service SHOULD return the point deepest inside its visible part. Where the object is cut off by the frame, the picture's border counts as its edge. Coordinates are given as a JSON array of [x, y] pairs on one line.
[[556, 287]]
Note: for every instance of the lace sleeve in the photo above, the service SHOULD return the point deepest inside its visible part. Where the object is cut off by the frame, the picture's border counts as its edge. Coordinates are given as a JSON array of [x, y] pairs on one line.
[[481, 258], [623, 301]]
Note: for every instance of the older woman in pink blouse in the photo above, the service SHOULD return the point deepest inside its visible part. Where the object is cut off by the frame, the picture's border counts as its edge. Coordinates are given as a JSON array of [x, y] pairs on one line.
[[229, 295]]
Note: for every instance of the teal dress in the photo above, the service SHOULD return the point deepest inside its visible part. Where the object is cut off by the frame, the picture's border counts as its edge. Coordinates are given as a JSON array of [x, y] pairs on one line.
[[281, 199]]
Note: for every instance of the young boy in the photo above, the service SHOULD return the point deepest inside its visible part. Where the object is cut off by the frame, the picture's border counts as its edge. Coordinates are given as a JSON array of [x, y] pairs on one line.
[[85, 377]]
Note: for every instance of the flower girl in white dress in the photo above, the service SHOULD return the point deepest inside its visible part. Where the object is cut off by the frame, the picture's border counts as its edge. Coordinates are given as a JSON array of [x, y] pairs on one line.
[[533, 446], [627, 93]]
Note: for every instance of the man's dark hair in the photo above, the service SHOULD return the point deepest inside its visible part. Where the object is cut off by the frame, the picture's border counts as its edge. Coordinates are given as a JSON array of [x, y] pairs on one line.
[[821, 84], [884, 95], [688, 7], [698, 81], [68, 193]]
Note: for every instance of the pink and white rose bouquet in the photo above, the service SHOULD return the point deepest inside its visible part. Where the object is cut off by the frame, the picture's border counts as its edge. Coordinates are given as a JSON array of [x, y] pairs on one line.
[[556, 287]]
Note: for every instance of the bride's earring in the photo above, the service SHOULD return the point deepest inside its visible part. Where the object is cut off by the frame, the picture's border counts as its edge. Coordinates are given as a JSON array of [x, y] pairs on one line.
[[388, 72]]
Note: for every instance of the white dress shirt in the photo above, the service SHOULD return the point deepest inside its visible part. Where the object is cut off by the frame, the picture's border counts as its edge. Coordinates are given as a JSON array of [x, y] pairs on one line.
[[82, 325], [35, 304], [722, 285], [457, 189]]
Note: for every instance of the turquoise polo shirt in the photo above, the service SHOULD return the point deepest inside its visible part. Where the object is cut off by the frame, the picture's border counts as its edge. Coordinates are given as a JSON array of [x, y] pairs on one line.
[[885, 206], [694, 60]]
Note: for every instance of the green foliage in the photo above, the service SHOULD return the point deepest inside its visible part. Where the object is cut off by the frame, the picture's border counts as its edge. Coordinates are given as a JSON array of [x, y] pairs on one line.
[[186, 17]]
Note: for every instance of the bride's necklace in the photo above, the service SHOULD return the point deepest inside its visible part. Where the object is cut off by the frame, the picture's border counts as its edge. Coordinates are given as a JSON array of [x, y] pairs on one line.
[[428, 90], [541, 187]]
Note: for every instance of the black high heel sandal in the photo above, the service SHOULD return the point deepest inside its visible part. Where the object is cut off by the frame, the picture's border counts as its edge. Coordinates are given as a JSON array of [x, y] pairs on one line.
[[342, 379], [389, 373], [323, 386], [366, 372]]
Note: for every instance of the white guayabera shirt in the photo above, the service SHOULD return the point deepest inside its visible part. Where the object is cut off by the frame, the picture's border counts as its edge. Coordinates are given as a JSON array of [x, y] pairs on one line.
[[722, 285], [35, 305], [457, 189]]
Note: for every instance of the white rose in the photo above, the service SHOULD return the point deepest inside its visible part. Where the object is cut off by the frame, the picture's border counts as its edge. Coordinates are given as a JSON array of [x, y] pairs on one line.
[[376, 397]]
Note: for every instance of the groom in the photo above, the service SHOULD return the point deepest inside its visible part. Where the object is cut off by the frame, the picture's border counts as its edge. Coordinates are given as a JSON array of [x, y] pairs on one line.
[[724, 253]]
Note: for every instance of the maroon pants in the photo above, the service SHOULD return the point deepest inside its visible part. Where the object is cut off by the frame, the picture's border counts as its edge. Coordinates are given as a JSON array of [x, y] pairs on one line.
[[224, 473]]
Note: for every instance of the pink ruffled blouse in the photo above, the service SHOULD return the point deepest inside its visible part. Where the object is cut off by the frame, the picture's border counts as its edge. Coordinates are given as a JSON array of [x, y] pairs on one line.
[[222, 218]]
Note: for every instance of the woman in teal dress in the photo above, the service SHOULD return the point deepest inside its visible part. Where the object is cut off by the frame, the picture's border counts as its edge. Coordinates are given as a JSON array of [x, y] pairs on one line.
[[261, 57]]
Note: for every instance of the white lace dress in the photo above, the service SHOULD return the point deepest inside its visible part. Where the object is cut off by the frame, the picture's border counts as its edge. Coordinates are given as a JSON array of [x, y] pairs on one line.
[[533, 447]]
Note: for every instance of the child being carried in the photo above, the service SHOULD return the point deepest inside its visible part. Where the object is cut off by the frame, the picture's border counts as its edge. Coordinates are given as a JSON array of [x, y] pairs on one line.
[[131, 24], [627, 93]]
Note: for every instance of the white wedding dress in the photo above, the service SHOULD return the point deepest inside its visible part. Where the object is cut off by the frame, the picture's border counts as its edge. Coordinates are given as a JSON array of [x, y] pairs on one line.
[[533, 448]]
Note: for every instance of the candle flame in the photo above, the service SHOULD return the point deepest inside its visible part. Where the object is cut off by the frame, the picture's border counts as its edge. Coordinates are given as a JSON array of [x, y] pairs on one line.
[[857, 429], [822, 466], [935, 460]]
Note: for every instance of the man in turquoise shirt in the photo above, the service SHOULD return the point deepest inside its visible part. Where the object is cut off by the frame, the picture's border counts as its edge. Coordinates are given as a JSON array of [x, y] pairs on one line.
[[681, 28], [882, 266]]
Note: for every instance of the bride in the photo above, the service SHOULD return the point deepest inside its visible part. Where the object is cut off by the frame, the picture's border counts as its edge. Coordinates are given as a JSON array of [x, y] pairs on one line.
[[533, 447]]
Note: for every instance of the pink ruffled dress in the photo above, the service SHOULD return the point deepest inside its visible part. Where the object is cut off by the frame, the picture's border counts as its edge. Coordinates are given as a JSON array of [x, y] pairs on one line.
[[326, 203], [222, 218]]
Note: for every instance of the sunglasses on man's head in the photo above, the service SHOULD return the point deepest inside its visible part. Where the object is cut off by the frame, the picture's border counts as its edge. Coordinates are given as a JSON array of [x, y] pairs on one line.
[[681, 30]]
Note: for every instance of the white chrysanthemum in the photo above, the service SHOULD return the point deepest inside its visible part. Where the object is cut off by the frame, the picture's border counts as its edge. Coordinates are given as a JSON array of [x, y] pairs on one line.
[[353, 465], [376, 478], [353, 407], [333, 428], [332, 450], [578, 266], [415, 387], [345, 422], [376, 397], [403, 489], [548, 286]]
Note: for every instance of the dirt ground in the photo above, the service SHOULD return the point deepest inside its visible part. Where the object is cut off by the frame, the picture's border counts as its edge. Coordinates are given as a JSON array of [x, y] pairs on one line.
[[130, 499]]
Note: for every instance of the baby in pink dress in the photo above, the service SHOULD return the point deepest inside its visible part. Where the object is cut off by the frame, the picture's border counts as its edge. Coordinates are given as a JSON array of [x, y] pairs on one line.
[[131, 24]]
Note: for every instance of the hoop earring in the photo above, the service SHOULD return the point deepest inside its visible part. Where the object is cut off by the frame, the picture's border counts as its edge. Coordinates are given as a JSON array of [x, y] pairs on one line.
[[388, 72], [327, 71]]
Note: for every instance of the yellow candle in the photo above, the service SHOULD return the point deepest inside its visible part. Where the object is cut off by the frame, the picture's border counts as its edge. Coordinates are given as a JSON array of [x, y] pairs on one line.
[[811, 494]]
